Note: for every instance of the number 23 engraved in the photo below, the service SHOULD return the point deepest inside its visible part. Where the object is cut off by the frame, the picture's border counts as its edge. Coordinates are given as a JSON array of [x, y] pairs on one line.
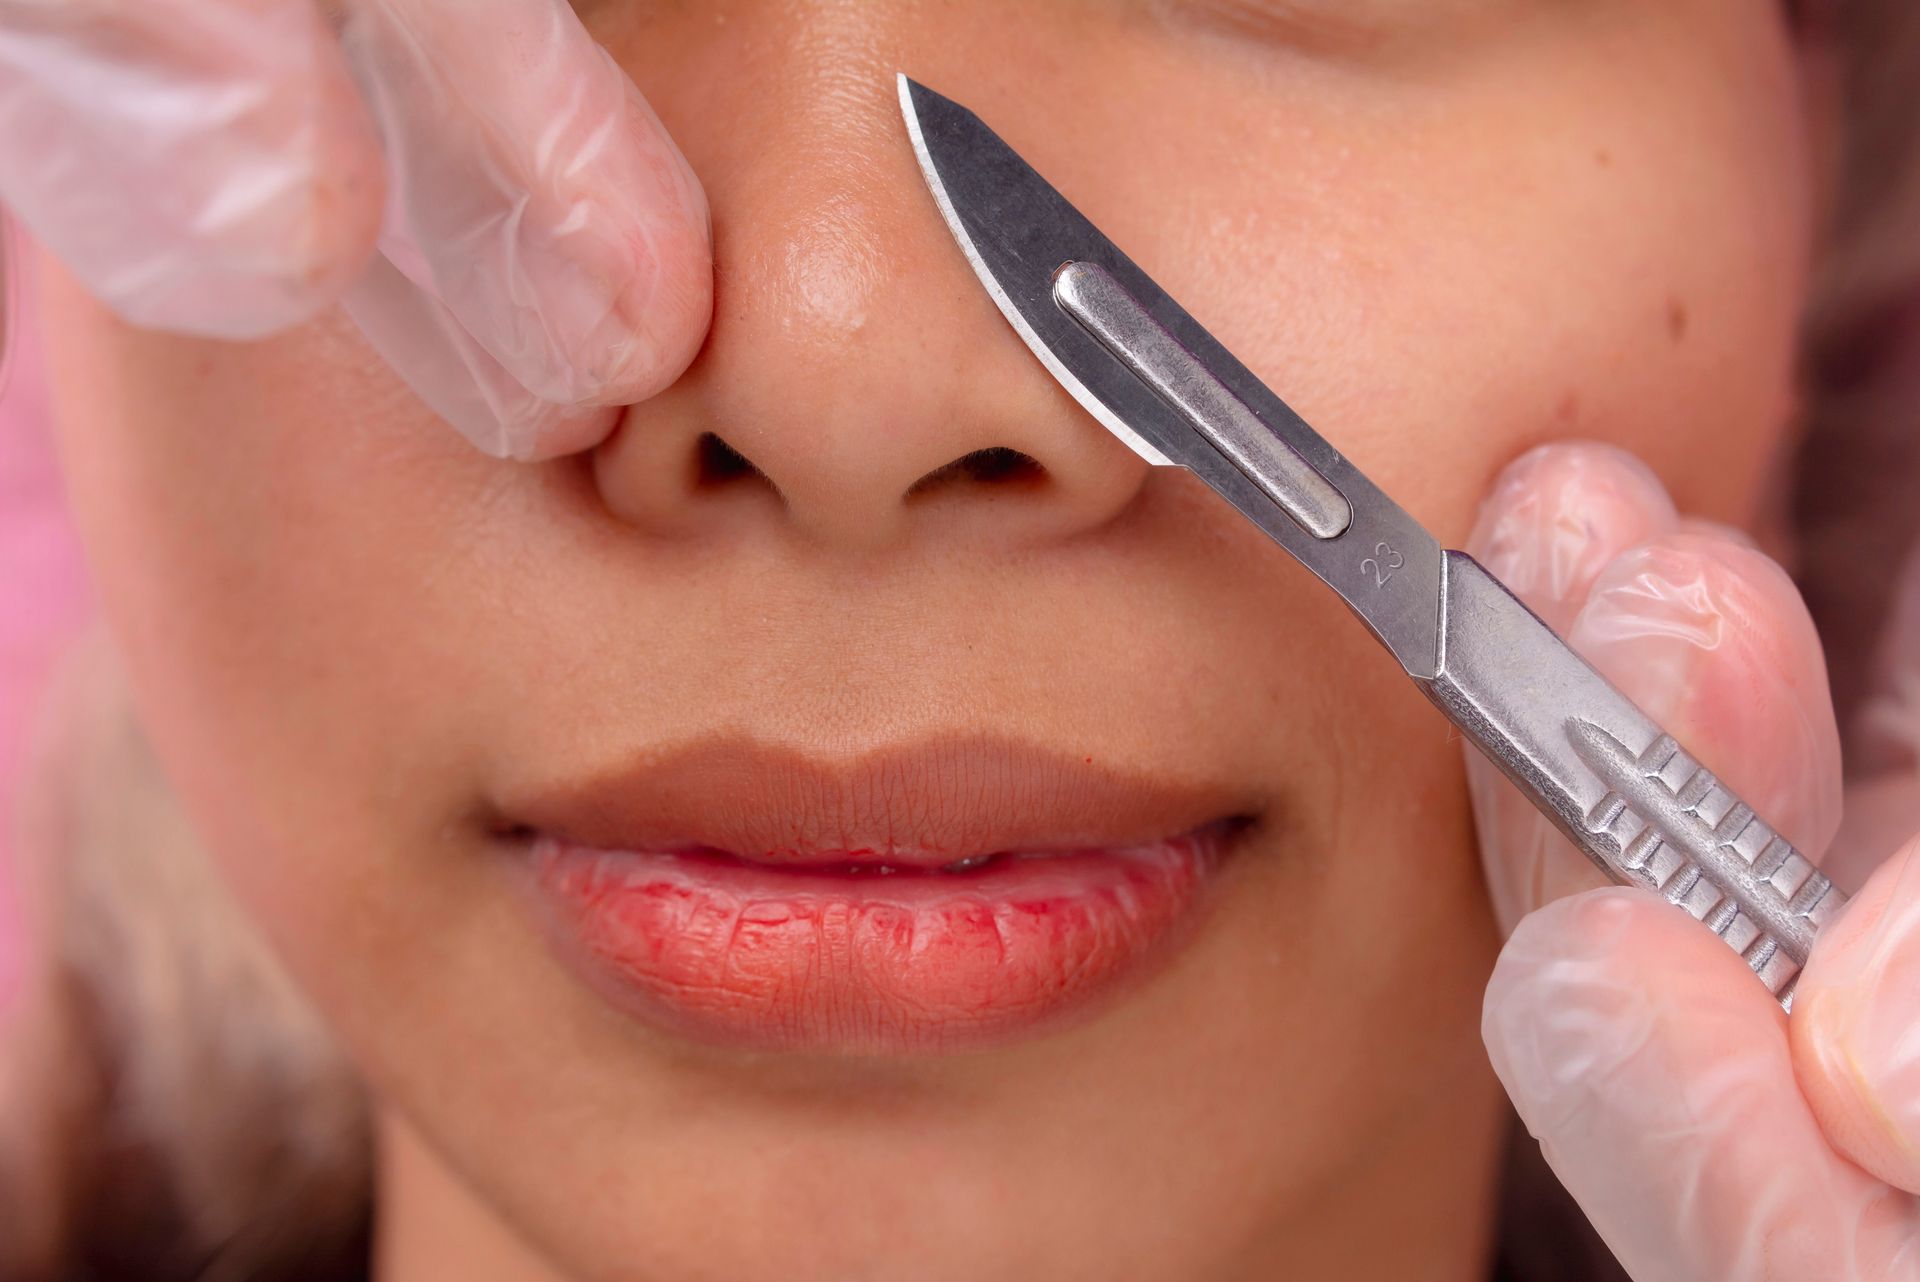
[[1382, 564]]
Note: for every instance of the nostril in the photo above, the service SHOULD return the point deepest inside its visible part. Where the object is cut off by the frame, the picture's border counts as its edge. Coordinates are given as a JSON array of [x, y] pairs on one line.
[[719, 462], [995, 465]]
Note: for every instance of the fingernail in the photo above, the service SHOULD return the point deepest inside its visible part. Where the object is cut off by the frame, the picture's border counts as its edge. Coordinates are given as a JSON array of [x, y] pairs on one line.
[[1652, 621], [628, 252], [560, 226], [1558, 514], [1711, 639], [1549, 992], [181, 211], [1856, 1041]]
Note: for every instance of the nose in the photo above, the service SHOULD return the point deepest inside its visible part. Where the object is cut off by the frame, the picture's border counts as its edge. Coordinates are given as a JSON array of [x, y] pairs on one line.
[[858, 386]]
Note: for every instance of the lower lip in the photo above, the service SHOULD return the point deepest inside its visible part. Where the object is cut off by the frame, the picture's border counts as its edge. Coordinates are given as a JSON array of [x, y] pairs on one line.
[[858, 960]]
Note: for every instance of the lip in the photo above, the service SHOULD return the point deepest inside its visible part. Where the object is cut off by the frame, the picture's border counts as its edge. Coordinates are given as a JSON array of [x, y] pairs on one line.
[[757, 897]]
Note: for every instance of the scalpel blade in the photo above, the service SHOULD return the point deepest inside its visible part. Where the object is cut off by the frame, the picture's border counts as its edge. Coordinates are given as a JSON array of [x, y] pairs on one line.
[[1155, 378]]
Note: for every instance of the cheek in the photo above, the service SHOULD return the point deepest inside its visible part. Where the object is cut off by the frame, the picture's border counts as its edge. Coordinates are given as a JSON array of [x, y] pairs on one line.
[[264, 592], [1452, 267]]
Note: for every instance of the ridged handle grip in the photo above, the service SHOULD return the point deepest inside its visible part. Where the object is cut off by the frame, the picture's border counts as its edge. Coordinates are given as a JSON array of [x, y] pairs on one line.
[[1619, 786]]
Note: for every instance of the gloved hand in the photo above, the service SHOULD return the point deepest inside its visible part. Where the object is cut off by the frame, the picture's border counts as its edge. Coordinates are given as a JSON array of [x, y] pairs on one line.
[[500, 210], [1705, 1134]]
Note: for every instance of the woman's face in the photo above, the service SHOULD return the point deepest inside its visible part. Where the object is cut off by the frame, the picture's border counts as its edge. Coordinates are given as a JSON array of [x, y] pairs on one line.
[[1221, 1015]]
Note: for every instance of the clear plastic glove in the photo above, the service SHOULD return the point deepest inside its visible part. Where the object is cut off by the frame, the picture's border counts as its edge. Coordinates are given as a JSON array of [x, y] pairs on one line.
[[1704, 1134], [501, 211]]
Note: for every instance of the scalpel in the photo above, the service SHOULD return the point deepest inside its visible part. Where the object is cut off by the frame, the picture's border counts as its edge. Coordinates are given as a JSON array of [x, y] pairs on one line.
[[1640, 806]]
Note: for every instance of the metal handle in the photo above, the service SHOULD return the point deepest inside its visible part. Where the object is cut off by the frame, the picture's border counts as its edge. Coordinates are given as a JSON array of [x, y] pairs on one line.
[[1617, 784]]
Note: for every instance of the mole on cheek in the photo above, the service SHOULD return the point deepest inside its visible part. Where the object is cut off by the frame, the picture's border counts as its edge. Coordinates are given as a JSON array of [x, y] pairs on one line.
[[1677, 318]]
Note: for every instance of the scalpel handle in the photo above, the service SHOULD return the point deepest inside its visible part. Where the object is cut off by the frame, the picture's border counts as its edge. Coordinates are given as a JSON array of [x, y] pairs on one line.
[[1618, 785]]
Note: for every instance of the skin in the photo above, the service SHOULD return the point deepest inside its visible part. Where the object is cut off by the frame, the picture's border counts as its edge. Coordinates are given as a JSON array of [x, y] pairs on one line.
[[1445, 232]]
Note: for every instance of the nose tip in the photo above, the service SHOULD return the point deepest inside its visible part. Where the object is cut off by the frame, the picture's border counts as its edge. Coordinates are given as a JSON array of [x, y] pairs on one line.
[[1015, 465], [858, 386]]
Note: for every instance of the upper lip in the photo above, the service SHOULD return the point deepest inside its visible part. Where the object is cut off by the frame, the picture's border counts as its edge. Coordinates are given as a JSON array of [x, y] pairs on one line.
[[923, 804]]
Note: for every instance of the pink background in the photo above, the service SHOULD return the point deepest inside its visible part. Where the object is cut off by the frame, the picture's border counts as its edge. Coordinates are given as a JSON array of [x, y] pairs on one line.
[[43, 593]]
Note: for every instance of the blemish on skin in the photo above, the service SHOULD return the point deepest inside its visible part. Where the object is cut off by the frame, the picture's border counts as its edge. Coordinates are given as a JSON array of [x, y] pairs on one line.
[[1603, 158], [1568, 410], [1677, 319]]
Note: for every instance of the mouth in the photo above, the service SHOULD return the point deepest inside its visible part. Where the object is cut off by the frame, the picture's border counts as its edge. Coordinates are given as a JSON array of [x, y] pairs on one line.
[[921, 900]]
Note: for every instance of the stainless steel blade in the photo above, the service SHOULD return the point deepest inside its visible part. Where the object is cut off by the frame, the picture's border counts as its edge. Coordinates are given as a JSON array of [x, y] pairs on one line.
[[1018, 232]]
